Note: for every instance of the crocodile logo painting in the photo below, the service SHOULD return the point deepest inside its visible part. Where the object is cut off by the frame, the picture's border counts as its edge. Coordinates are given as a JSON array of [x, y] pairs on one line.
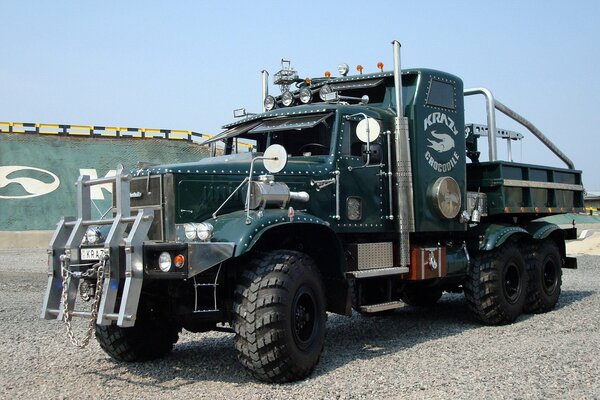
[[441, 130], [36, 182], [444, 142]]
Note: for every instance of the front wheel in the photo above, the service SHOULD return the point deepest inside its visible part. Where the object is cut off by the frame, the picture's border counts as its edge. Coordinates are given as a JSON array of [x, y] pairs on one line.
[[152, 336], [279, 316], [496, 286], [146, 340]]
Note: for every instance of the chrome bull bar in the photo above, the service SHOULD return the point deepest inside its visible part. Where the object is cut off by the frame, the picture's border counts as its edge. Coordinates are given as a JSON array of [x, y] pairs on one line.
[[66, 242]]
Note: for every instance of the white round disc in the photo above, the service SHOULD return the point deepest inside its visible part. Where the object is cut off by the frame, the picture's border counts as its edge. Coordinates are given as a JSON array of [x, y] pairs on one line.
[[275, 158], [374, 130]]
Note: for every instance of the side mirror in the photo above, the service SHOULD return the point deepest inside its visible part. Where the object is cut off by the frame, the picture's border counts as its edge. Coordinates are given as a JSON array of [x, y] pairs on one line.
[[368, 130], [275, 158]]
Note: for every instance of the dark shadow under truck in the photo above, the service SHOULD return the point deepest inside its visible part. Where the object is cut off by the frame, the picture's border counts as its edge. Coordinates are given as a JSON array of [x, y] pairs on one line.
[[361, 194]]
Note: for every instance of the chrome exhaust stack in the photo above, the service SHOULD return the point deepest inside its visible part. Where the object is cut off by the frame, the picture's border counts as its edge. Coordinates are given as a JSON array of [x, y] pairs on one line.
[[265, 88], [405, 212]]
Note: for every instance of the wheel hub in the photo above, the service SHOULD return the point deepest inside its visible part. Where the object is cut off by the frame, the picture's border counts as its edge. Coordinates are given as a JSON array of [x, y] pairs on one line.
[[512, 283], [304, 319], [549, 277]]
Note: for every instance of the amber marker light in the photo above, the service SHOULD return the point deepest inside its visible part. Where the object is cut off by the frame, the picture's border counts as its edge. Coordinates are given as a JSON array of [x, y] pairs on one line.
[[307, 81], [179, 260], [359, 68], [327, 74], [380, 66]]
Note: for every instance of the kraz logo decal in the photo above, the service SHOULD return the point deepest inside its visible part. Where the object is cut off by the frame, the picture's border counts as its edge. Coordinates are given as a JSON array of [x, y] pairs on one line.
[[441, 157], [38, 183]]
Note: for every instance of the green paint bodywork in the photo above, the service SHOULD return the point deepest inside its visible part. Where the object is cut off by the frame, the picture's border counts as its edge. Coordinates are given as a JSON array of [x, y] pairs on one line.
[[232, 227], [437, 148], [489, 177], [490, 236], [541, 230], [485, 237]]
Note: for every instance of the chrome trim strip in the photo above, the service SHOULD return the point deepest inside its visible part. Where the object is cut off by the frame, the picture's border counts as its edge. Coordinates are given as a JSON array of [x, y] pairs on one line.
[[541, 185]]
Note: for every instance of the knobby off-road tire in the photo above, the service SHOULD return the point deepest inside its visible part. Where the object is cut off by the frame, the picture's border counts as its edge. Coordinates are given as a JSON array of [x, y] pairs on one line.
[[421, 297], [148, 339], [496, 286], [279, 316], [545, 278]]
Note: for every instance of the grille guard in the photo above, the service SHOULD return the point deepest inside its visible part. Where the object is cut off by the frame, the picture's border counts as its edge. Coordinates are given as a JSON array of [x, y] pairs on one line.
[[66, 242]]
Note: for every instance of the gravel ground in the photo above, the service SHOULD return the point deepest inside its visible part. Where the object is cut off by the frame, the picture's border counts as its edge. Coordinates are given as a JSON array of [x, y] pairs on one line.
[[437, 353]]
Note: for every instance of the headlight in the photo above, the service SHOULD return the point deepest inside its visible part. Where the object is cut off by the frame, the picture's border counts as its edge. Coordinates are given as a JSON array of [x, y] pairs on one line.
[[305, 95], [190, 231], [164, 261], [287, 98], [93, 236], [269, 103], [204, 230]]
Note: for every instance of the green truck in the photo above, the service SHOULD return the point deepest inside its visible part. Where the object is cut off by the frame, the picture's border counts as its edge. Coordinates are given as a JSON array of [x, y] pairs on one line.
[[361, 193]]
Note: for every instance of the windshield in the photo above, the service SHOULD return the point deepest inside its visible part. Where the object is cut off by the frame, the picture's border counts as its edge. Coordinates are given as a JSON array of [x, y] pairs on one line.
[[305, 135]]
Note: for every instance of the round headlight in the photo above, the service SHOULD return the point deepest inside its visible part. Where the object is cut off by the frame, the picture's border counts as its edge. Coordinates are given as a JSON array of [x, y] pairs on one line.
[[287, 98], [269, 103], [305, 95], [343, 69], [204, 231], [93, 236], [190, 231], [324, 90], [164, 261]]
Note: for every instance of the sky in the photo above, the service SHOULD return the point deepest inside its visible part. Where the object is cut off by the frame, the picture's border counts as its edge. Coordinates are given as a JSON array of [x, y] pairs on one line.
[[188, 64]]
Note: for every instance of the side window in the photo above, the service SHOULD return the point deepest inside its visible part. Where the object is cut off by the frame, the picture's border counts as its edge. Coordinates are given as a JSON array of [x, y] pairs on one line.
[[351, 145], [441, 94]]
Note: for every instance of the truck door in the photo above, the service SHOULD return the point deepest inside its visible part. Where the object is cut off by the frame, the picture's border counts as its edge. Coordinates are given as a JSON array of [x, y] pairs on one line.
[[361, 202]]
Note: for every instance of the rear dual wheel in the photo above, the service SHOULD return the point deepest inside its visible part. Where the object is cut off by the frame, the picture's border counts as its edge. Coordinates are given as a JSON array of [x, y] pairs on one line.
[[497, 284], [545, 277]]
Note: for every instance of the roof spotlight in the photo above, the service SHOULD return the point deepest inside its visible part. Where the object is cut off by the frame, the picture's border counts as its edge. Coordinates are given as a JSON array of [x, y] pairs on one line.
[[287, 98], [343, 69], [305, 95], [269, 103]]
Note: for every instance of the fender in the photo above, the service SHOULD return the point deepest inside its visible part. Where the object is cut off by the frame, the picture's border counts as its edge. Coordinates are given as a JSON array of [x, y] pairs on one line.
[[233, 228], [541, 230], [491, 236]]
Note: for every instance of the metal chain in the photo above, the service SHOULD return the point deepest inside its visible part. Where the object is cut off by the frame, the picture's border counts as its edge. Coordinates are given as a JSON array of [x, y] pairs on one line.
[[67, 315]]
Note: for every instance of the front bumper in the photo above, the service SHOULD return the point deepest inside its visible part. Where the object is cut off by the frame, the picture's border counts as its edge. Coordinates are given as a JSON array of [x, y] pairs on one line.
[[125, 270]]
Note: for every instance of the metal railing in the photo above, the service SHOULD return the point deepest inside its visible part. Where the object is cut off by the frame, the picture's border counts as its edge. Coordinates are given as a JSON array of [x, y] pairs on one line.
[[492, 105]]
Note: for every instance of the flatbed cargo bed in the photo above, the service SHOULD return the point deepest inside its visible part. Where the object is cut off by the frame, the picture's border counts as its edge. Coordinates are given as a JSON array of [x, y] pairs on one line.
[[514, 188]]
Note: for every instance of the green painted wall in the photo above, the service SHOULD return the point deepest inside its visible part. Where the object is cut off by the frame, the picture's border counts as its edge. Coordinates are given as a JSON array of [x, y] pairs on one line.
[[38, 172]]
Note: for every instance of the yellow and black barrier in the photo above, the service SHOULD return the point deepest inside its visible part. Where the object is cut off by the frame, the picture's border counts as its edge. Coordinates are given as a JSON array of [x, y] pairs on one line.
[[100, 131], [106, 131]]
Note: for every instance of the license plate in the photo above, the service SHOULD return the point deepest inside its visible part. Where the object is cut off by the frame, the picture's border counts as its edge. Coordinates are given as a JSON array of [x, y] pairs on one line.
[[92, 253]]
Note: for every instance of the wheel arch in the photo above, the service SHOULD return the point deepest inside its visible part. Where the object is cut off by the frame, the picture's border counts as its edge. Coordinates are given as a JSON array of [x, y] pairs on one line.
[[276, 230], [323, 246], [491, 236], [540, 230]]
